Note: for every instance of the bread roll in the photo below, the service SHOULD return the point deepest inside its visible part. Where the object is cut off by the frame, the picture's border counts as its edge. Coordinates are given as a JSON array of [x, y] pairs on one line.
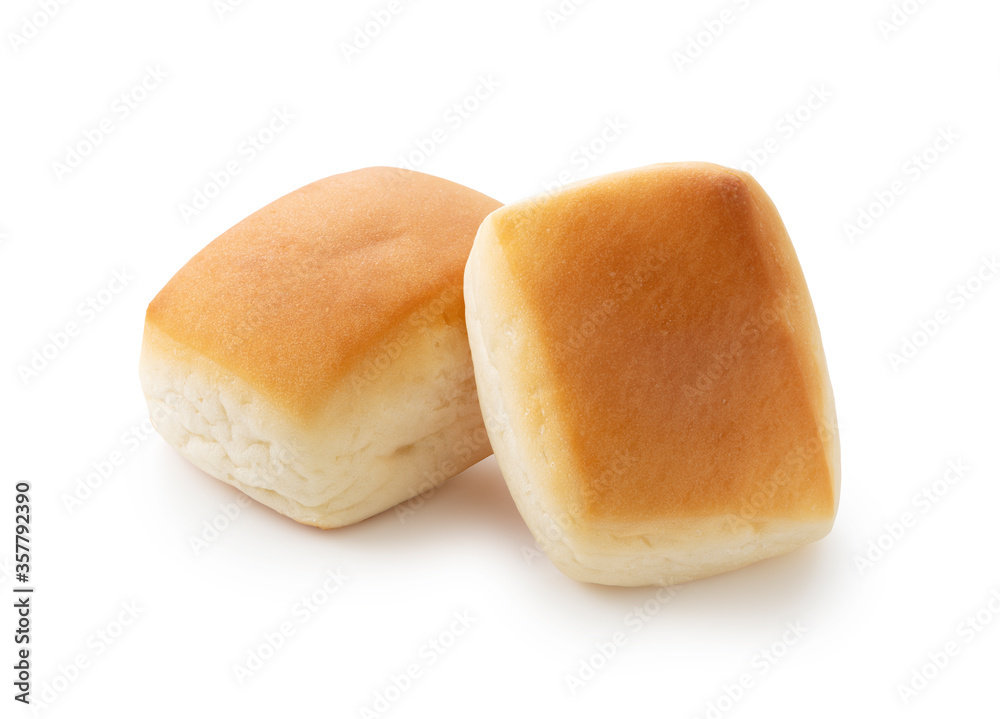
[[315, 355], [650, 366]]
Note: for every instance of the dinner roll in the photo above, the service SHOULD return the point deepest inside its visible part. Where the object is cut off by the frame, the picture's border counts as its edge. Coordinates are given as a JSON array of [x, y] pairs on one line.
[[315, 355], [648, 359]]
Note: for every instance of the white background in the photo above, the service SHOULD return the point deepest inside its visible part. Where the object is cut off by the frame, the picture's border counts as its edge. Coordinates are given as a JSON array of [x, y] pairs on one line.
[[880, 96]]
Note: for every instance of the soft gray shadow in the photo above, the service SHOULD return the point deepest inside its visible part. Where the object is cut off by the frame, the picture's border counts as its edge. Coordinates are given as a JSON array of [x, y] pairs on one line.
[[478, 503], [475, 502]]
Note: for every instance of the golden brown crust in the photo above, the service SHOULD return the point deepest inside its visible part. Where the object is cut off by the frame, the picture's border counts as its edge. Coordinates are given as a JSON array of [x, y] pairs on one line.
[[292, 296], [686, 372]]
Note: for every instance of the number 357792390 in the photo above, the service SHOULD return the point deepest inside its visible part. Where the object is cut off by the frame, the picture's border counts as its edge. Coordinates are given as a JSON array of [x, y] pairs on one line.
[[22, 530]]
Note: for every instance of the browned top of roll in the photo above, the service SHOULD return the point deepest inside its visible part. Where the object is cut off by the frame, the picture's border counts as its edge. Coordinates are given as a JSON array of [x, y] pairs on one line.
[[681, 344], [292, 296]]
